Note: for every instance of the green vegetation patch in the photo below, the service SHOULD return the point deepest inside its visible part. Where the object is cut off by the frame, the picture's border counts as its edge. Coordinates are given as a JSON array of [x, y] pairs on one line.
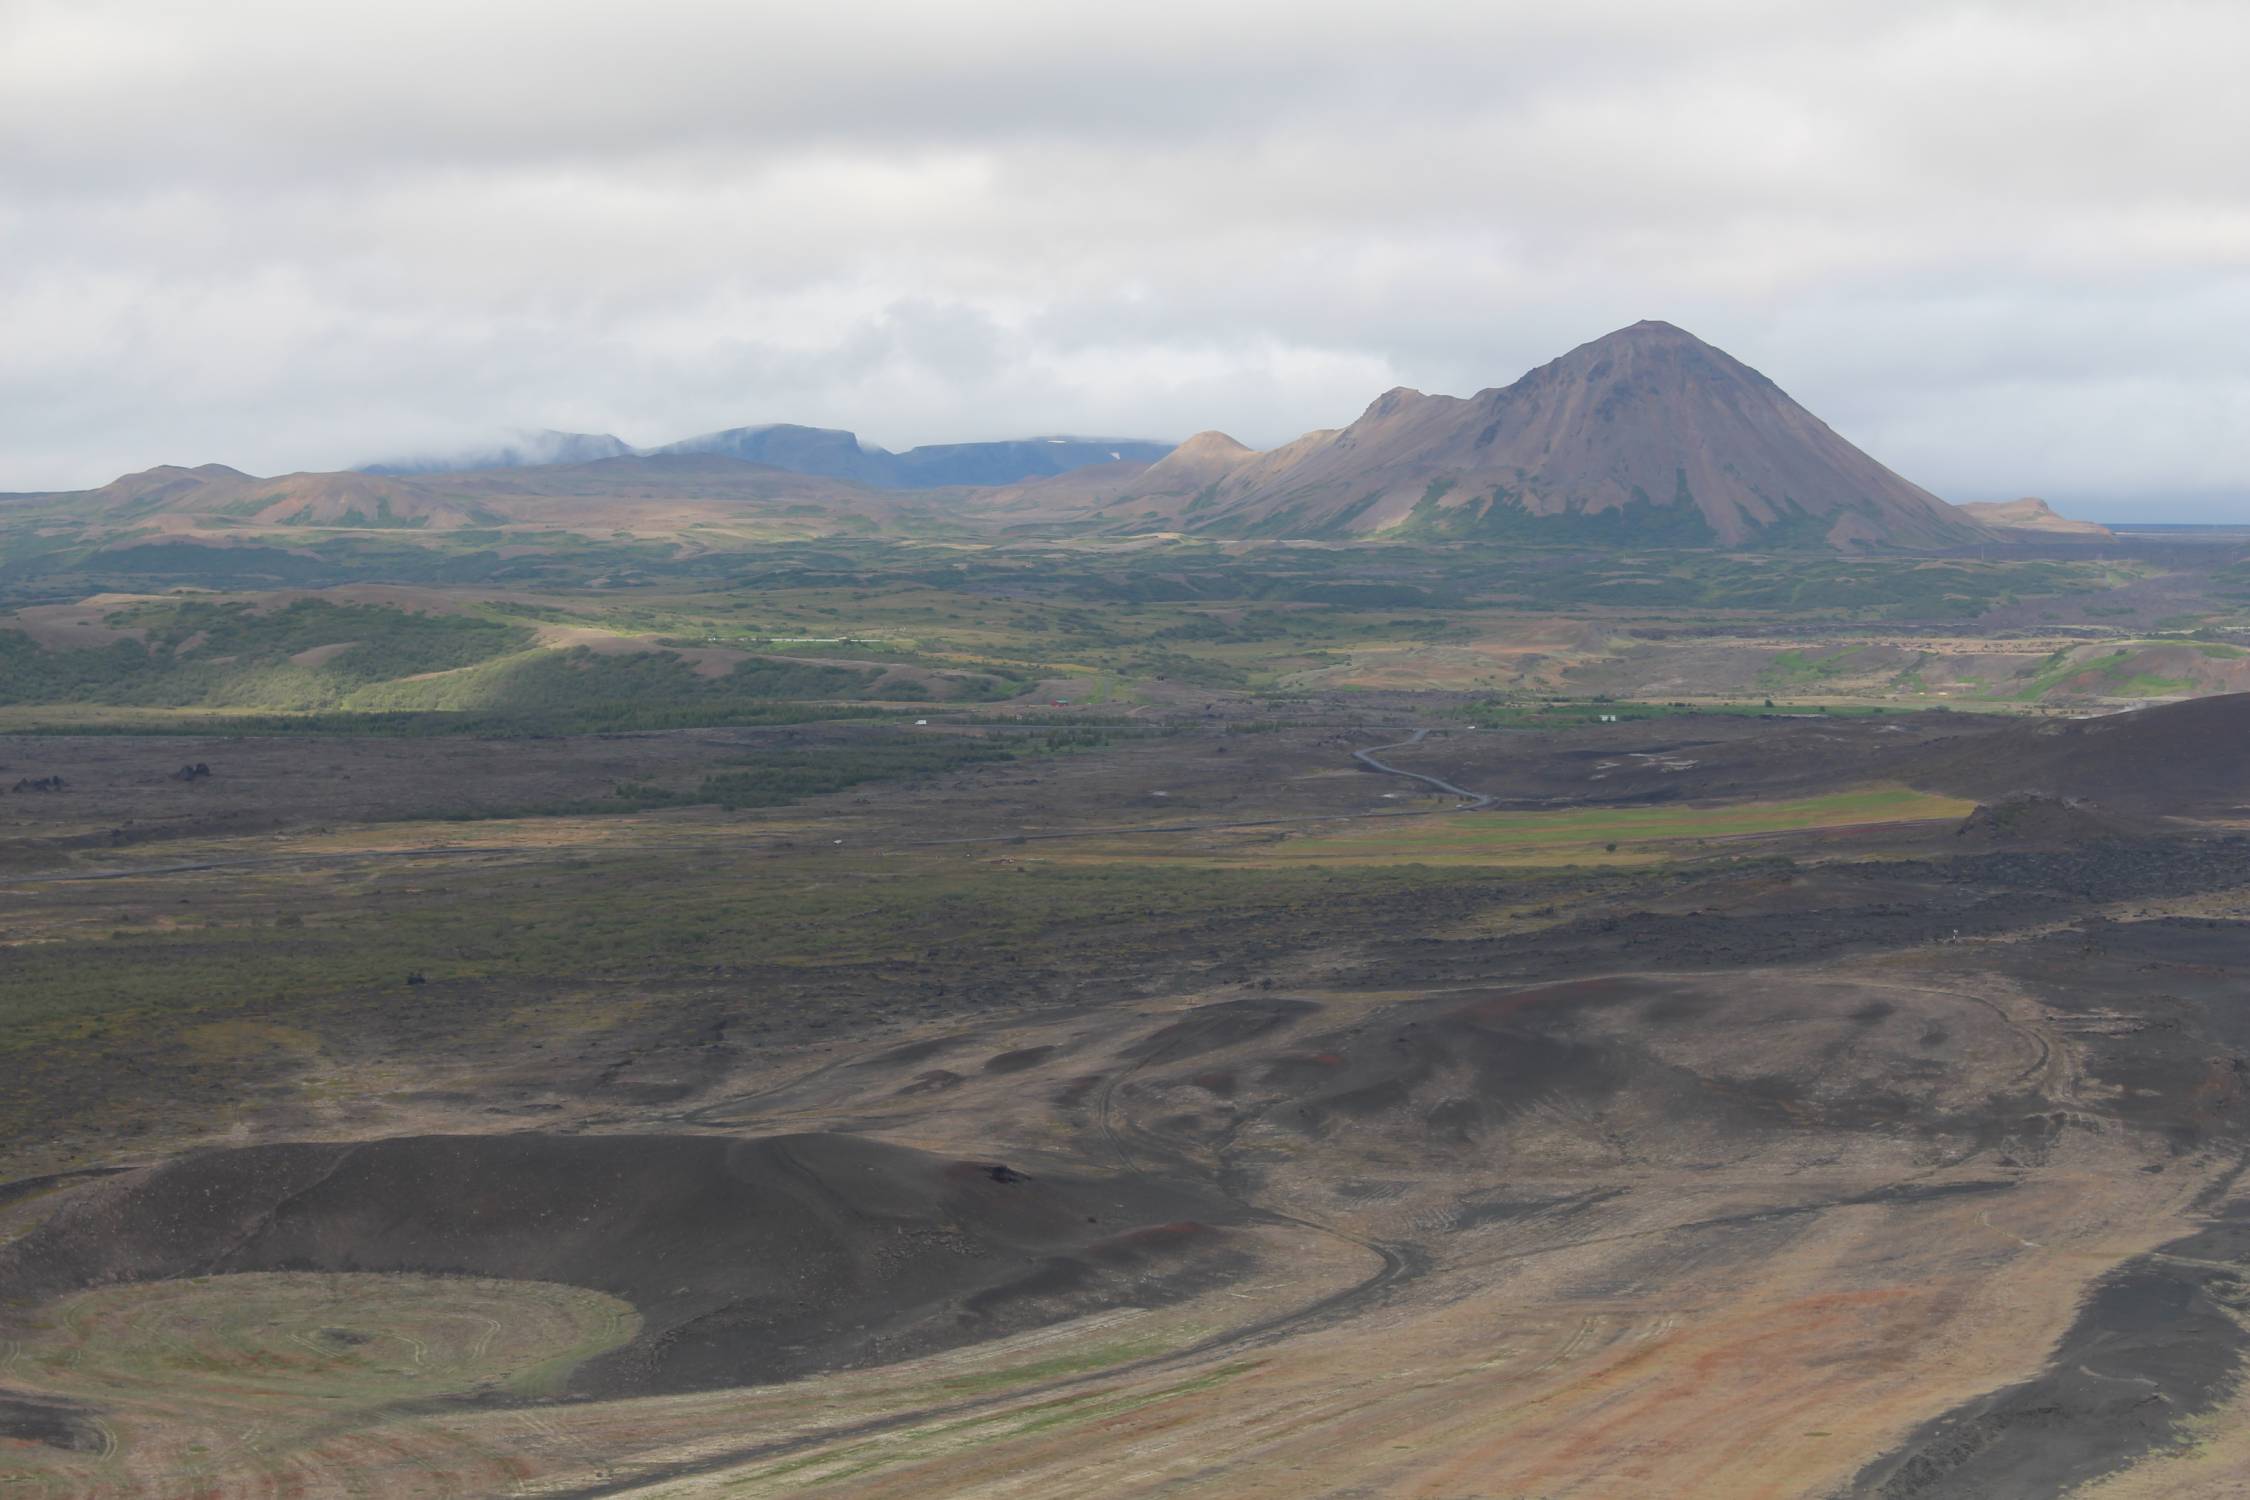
[[775, 777], [2120, 674], [621, 687], [1559, 713], [308, 654], [323, 953], [1599, 834], [1799, 669], [1504, 516], [167, 1362], [393, 670]]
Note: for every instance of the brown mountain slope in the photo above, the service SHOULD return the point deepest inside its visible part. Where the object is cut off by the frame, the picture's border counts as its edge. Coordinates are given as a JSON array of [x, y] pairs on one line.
[[1206, 459], [345, 499], [1067, 496], [664, 476], [2029, 514], [1647, 435], [601, 494], [1155, 495]]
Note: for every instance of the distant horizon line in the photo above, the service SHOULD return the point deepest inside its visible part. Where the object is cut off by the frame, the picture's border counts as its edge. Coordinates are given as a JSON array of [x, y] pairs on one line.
[[2075, 510]]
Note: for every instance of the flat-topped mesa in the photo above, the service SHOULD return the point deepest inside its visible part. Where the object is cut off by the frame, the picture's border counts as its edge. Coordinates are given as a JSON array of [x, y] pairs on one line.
[[2029, 514], [837, 454]]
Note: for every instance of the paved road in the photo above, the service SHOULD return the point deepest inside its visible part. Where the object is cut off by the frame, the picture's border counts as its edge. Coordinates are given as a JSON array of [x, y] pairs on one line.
[[1367, 757]]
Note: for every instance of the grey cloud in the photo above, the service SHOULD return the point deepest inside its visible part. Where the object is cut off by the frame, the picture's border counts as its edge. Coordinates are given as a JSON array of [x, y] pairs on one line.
[[2006, 246]]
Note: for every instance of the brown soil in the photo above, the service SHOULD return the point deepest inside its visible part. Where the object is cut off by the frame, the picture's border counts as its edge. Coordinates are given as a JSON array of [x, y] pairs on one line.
[[1819, 1167], [748, 1260]]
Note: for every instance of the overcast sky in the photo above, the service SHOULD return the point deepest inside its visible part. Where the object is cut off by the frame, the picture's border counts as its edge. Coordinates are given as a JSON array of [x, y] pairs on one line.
[[2005, 248]]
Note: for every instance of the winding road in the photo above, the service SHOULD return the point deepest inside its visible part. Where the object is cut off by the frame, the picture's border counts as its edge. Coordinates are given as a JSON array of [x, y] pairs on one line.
[[1367, 758]]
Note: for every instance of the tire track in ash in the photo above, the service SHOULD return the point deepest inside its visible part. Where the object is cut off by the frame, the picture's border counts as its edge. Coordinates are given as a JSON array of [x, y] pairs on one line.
[[2043, 1061], [1399, 1263]]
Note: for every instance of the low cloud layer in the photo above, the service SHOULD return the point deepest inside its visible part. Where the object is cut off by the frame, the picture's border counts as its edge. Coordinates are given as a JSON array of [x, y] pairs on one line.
[[2004, 247]]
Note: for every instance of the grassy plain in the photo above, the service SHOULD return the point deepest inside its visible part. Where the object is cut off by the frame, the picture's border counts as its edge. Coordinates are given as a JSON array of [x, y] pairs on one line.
[[215, 1383], [1706, 1117], [659, 636], [1607, 835]]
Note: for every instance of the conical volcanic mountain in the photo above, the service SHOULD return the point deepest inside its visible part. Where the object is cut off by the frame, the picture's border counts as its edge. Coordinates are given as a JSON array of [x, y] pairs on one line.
[[1646, 436]]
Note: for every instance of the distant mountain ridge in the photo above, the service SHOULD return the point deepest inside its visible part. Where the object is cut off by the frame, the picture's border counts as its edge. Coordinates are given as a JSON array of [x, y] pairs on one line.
[[1646, 436], [838, 454], [347, 498], [2030, 514], [827, 452], [519, 450], [600, 495]]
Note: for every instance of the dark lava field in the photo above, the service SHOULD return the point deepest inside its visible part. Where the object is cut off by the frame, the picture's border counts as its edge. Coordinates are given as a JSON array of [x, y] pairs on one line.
[[1698, 1105]]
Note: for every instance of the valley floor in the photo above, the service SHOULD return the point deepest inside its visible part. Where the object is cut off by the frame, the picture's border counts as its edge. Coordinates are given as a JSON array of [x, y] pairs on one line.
[[1695, 1106]]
